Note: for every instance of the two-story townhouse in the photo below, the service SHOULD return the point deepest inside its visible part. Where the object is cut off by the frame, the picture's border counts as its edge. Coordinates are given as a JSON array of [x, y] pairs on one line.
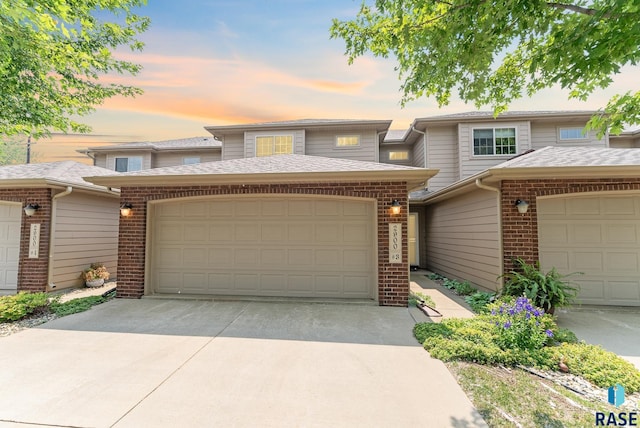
[[460, 223], [137, 156]]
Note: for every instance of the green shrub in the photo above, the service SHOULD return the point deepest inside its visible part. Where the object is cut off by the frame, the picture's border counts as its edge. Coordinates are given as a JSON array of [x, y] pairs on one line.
[[600, 367], [76, 305], [546, 290], [435, 277], [521, 325], [479, 301], [564, 335], [18, 306]]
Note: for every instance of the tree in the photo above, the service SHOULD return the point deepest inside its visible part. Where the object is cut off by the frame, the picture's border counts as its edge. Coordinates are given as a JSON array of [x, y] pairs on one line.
[[52, 54], [494, 52], [13, 152]]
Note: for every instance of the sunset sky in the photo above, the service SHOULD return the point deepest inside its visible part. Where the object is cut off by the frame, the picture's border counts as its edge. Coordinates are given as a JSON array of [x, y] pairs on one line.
[[209, 62]]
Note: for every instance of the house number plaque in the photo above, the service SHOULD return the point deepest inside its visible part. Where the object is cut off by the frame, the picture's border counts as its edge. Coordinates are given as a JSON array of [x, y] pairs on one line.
[[34, 241], [395, 242]]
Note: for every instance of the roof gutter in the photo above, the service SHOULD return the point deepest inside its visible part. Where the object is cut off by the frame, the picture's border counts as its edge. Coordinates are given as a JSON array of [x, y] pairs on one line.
[[52, 234], [483, 186]]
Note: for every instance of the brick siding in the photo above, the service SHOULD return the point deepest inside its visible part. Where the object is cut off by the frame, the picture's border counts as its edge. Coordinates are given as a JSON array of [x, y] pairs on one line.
[[32, 273], [393, 279], [520, 231]]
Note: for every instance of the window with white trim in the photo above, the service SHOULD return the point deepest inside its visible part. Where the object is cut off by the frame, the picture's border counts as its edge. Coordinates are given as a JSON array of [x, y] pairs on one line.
[[399, 155], [190, 160], [133, 163], [574, 133], [494, 141], [269, 145], [347, 141]]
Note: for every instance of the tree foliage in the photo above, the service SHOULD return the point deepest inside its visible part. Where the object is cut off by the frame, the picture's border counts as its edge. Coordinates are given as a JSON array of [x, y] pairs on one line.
[[493, 52], [14, 152], [52, 55]]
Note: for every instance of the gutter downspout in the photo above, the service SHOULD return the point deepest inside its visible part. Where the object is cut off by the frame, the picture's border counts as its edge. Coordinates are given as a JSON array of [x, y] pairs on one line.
[[52, 228], [424, 143], [481, 185]]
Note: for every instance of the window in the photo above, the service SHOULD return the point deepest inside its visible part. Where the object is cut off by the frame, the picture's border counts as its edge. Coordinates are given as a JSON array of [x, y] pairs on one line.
[[576, 133], [400, 155], [129, 164], [191, 160], [274, 145], [494, 141], [347, 141]]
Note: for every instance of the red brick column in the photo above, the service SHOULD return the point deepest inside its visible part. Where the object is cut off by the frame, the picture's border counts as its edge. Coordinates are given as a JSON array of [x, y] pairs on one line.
[[32, 273], [393, 279]]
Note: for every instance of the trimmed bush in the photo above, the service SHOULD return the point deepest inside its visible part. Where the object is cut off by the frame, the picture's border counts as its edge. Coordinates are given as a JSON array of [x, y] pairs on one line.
[[18, 306]]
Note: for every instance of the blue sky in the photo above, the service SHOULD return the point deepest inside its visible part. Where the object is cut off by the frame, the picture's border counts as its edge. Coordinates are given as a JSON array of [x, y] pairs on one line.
[[227, 62]]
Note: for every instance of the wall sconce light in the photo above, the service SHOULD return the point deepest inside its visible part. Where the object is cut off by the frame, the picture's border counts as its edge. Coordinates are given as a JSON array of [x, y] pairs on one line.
[[523, 206], [395, 207], [125, 209], [31, 209]]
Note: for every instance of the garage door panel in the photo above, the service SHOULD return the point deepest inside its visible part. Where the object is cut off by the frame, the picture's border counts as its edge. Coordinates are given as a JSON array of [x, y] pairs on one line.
[[268, 247], [603, 241]]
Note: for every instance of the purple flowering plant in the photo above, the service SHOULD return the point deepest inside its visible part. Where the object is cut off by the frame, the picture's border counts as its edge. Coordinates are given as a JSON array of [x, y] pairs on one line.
[[520, 324]]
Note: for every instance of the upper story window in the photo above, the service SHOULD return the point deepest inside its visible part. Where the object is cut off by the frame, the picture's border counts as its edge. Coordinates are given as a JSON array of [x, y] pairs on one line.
[[494, 141], [274, 145], [133, 163], [190, 160], [399, 155], [574, 133], [347, 141]]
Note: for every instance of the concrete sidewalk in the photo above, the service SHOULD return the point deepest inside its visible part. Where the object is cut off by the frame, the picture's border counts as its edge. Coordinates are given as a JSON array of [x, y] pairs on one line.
[[175, 363], [447, 302]]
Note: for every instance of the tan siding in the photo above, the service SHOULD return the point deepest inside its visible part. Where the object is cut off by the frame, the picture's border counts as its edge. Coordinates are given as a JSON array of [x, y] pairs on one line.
[[385, 150], [442, 154], [547, 134], [163, 159], [469, 164], [86, 231], [418, 153], [323, 143], [111, 159], [101, 160], [233, 146], [462, 238]]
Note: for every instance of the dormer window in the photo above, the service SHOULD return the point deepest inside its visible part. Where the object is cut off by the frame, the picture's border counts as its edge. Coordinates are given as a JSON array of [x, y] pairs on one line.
[[347, 141], [399, 155], [133, 163], [494, 141], [269, 145]]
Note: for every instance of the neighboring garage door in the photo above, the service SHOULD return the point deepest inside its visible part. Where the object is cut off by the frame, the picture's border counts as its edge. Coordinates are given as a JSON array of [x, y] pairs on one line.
[[10, 217], [598, 235], [271, 246]]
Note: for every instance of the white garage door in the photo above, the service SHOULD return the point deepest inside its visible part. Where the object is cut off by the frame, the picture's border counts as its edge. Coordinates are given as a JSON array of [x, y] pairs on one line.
[[10, 217], [597, 235], [272, 246]]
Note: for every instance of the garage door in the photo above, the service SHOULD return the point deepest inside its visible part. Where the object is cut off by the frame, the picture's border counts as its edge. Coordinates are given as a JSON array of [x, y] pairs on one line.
[[597, 235], [10, 217], [286, 247]]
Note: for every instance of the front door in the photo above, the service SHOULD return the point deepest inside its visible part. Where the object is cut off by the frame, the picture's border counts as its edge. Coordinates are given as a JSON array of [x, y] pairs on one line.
[[413, 240]]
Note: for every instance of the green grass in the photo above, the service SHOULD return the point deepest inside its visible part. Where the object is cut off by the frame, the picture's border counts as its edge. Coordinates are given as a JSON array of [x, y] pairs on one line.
[[509, 397]]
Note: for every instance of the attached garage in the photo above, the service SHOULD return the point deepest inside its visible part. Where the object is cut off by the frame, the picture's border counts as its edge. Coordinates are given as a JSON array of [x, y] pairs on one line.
[[278, 226], [264, 246], [599, 235], [10, 218]]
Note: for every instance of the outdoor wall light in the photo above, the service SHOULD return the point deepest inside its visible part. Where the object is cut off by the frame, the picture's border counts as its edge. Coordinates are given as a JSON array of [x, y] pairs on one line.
[[523, 206], [395, 207], [125, 209], [31, 209]]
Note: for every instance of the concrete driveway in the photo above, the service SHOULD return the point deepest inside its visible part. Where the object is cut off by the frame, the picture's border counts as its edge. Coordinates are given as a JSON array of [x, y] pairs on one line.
[[174, 363], [616, 329]]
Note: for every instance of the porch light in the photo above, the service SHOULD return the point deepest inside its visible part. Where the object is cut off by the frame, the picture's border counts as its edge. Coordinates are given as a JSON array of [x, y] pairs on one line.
[[395, 207], [522, 205], [31, 209], [125, 209]]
